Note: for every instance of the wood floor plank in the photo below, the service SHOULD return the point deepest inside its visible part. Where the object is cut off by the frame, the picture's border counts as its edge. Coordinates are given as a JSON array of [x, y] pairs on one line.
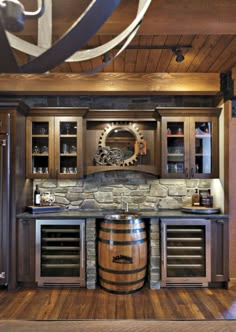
[[81, 303]]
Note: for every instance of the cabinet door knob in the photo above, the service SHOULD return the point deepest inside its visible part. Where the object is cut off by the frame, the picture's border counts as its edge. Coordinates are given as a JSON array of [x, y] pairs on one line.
[[192, 172], [186, 172]]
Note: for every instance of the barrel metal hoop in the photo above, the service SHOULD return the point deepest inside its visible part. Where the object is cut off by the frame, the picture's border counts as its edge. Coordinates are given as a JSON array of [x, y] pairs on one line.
[[121, 231], [122, 283], [123, 221], [121, 243], [112, 291], [143, 268]]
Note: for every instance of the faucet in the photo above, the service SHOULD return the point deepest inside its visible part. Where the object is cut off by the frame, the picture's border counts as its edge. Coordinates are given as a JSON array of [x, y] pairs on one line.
[[124, 204]]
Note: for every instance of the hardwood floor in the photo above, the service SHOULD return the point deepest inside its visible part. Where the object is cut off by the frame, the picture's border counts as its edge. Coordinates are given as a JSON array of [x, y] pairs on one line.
[[81, 303]]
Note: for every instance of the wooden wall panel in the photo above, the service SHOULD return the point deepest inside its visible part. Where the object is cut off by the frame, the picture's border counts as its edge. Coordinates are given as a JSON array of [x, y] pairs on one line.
[[231, 188]]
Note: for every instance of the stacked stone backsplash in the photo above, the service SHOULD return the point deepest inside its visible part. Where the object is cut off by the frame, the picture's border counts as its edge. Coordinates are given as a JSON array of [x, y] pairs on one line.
[[140, 190]]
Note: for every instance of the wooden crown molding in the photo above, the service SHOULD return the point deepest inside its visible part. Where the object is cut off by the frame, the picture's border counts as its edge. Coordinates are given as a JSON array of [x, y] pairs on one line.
[[110, 84]]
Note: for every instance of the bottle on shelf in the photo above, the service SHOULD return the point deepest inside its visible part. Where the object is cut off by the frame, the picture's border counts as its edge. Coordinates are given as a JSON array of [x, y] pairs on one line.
[[196, 198], [206, 199], [37, 196]]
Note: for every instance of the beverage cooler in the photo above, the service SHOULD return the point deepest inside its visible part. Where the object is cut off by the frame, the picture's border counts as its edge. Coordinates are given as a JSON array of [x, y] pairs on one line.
[[60, 252], [185, 252]]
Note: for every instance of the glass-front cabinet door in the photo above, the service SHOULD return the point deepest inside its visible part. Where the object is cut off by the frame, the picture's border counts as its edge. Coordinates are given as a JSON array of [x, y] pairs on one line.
[[54, 147], [68, 146], [204, 147], [175, 161], [190, 147], [39, 147]]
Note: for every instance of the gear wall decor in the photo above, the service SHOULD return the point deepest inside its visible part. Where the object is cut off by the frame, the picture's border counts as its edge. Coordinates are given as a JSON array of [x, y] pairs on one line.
[[104, 153]]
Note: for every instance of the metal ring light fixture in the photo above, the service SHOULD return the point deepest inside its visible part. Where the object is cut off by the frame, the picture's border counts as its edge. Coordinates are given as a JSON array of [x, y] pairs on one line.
[[37, 51]]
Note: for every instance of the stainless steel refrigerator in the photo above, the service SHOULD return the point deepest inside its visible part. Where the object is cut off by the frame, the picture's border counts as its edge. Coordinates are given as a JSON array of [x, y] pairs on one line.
[[13, 191]]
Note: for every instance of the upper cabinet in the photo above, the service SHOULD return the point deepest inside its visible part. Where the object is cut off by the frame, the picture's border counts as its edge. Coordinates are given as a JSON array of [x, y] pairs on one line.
[[189, 143], [54, 144], [170, 142]]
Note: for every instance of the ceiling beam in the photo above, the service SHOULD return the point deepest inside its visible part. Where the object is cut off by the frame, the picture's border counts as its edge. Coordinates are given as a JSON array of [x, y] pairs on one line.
[[110, 84], [164, 17]]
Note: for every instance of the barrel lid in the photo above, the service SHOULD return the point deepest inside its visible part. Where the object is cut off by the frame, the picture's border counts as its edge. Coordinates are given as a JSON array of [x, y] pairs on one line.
[[122, 216]]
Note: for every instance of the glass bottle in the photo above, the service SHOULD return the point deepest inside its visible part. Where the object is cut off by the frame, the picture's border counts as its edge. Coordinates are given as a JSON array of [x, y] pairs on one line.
[[37, 196]]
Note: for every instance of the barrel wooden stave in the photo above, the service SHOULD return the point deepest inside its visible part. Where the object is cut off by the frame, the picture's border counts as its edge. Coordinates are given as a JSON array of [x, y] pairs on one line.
[[122, 255]]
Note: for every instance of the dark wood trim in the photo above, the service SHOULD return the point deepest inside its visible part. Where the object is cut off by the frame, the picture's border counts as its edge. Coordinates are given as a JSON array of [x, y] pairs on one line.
[[58, 111], [227, 118], [188, 111], [119, 115], [9, 104], [234, 79], [141, 168], [219, 250], [111, 84]]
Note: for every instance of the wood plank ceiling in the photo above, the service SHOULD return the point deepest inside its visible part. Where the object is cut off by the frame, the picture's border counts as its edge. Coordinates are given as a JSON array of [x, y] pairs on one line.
[[208, 26]]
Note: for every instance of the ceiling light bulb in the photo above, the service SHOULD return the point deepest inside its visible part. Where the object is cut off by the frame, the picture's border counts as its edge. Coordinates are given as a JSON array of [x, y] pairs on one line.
[[106, 58], [179, 56]]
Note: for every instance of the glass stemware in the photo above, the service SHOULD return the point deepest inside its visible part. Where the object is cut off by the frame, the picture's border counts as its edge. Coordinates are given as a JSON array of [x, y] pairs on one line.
[[67, 126]]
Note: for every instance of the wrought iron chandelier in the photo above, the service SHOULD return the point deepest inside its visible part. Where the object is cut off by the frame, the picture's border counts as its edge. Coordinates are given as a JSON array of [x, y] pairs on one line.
[[46, 56]]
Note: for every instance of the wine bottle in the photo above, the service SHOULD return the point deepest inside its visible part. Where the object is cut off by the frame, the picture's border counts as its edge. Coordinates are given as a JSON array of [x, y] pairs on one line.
[[37, 196]]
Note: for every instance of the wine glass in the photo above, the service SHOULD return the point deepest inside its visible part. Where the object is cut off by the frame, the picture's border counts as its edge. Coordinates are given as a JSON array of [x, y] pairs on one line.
[[67, 126]]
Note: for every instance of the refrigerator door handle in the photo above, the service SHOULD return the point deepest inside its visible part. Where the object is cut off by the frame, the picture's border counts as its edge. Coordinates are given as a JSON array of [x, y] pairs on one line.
[[1, 212], [4, 210], [2, 144]]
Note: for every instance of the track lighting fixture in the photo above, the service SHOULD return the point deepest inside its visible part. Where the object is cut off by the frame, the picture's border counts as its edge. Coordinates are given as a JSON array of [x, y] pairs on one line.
[[106, 58], [179, 55], [176, 49]]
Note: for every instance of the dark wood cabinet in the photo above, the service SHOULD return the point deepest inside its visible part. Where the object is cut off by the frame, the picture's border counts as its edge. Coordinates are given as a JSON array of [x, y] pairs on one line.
[[189, 143], [26, 250], [220, 251], [55, 144]]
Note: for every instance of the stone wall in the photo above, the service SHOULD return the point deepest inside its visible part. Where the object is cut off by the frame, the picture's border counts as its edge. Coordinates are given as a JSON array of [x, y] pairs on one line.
[[154, 267], [104, 190]]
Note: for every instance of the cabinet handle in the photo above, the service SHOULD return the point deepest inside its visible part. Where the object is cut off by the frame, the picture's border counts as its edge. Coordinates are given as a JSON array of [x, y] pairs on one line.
[[186, 172], [164, 257], [192, 172]]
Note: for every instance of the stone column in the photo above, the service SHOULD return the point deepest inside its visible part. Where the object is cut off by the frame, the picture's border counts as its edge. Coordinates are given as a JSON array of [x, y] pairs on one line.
[[90, 256], [155, 254]]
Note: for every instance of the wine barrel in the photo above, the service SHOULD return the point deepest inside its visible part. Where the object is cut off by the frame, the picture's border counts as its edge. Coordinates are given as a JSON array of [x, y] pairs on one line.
[[122, 253]]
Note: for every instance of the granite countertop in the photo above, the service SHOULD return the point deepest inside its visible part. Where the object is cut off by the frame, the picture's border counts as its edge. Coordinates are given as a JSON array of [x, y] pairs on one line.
[[75, 214]]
